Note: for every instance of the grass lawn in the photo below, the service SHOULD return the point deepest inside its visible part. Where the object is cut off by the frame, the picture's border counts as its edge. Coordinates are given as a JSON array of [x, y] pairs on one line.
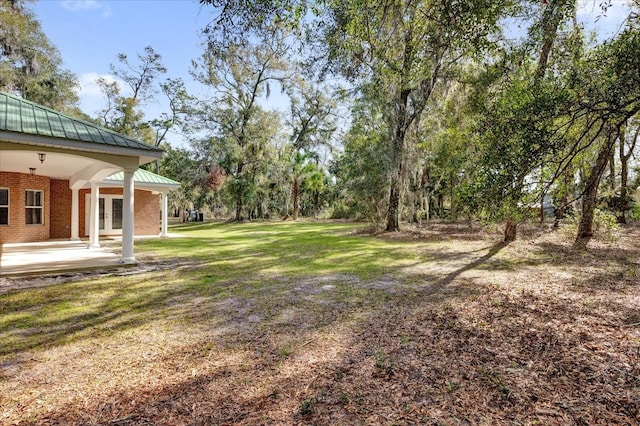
[[324, 323]]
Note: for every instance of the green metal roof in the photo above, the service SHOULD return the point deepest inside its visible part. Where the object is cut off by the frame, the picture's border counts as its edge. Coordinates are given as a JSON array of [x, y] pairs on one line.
[[144, 177], [22, 116]]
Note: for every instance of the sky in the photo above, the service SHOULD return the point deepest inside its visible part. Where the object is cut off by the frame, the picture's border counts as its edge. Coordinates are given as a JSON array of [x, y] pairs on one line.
[[90, 33]]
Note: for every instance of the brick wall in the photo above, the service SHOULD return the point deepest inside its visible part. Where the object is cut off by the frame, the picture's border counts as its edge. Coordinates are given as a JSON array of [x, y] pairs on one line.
[[57, 209], [146, 208], [60, 213], [18, 231], [147, 213]]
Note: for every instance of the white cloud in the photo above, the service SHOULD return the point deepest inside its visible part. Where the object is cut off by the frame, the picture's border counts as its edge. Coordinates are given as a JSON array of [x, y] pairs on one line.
[[91, 97], [86, 5], [78, 5], [106, 11]]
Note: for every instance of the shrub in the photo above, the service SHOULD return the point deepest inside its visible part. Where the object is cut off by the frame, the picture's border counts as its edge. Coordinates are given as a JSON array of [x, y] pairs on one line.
[[605, 226]]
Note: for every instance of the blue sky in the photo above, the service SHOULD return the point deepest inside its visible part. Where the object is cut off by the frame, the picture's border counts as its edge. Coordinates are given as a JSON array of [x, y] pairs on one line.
[[90, 34]]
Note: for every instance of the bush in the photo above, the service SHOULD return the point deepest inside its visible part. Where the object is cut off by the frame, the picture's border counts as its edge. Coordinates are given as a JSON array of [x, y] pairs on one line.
[[635, 213], [605, 226], [340, 210]]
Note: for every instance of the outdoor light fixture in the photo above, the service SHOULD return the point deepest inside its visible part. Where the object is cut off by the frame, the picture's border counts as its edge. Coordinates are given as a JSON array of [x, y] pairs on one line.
[[41, 156], [32, 170]]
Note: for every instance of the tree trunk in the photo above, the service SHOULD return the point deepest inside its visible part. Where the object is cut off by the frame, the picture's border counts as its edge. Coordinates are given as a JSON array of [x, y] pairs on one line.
[[296, 197], [510, 230], [393, 220], [316, 203], [452, 194], [589, 196], [612, 173], [239, 193], [624, 171], [239, 206], [427, 206], [397, 180], [551, 18], [624, 174], [561, 212]]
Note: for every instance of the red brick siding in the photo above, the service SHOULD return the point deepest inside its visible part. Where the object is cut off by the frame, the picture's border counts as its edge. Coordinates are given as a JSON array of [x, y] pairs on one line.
[[146, 208], [147, 213], [57, 209], [18, 231], [60, 213]]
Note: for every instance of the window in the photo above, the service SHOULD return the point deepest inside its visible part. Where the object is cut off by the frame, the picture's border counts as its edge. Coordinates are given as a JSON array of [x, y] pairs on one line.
[[33, 207], [4, 206]]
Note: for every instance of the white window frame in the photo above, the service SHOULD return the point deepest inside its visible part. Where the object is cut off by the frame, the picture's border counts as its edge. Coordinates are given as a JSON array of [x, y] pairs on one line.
[[6, 205], [41, 207]]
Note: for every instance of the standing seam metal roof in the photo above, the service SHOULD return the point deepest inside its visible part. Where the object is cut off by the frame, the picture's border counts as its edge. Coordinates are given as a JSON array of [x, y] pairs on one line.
[[20, 115], [144, 176]]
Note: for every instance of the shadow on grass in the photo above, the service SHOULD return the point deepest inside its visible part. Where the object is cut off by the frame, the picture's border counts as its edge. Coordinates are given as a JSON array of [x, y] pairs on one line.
[[412, 360], [415, 363], [229, 261]]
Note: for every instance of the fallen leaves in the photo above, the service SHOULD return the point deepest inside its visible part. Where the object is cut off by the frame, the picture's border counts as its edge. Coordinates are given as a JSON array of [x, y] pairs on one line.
[[542, 336]]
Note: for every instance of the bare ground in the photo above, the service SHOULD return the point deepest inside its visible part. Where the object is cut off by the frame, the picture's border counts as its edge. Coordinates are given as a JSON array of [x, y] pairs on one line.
[[477, 333]]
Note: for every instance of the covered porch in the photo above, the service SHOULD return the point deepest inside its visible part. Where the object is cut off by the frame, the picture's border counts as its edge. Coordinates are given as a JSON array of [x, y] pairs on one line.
[[57, 256], [46, 159]]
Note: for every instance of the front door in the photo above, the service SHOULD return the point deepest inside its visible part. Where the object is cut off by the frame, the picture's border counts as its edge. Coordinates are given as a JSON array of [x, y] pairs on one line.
[[110, 214]]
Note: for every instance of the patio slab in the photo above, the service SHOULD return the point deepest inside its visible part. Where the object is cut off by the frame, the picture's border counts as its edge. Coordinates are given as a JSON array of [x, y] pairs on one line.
[[54, 256]]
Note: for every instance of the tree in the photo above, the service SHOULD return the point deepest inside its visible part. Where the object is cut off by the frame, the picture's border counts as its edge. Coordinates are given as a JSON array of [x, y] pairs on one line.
[[516, 101], [312, 124], [361, 170], [406, 49], [183, 166], [301, 170], [123, 112], [403, 48], [180, 106], [625, 156], [30, 66], [241, 74], [609, 89]]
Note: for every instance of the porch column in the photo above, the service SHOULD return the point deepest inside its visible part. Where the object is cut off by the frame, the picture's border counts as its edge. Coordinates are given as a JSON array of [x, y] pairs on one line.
[[127, 218], [94, 217], [75, 215], [165, 215]]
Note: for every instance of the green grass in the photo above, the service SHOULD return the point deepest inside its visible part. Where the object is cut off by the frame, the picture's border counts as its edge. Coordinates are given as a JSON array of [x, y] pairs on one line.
[[279, 249], [258, 266], [309, 322]]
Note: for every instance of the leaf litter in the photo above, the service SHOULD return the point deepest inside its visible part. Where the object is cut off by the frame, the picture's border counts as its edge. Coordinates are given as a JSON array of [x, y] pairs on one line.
[[534, 334]]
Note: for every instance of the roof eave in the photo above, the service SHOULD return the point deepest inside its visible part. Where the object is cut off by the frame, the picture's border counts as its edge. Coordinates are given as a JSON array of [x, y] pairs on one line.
[[119, 183], [145, 155]]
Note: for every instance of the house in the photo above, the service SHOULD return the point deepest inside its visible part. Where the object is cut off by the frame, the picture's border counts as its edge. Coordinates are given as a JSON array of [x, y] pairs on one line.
[[64, 178]]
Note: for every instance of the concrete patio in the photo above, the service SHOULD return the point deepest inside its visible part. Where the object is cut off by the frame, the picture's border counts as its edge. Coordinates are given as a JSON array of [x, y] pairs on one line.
[[53, 257]]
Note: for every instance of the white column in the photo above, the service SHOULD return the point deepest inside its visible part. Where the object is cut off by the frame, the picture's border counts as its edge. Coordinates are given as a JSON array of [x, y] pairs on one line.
[[165, 215], [94, 216], [75, 215], [127, 218]]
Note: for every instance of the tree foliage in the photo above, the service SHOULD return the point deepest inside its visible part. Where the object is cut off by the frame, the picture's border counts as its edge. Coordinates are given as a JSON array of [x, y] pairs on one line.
[[241, 130], [30, 66], [450, 116]]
